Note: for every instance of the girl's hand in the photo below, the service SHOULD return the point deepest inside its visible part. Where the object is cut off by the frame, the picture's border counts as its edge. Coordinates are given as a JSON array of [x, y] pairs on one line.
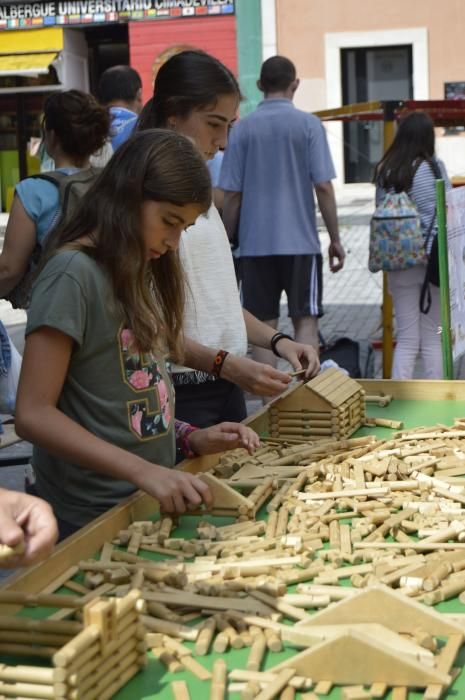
[[300, 356], [176, 491], [26, 523], [255, 377], [224, 436]]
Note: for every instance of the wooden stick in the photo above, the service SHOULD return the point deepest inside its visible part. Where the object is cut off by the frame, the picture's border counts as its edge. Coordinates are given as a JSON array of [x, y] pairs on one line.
[[257, 652], [276, 686], [31, 690], [218, 685], [6, 552], [32, 674], [297, 373], [28, 650], [173, 629], [180, 690], [205, 636], [40, 599], [197, 669], [67, 627]]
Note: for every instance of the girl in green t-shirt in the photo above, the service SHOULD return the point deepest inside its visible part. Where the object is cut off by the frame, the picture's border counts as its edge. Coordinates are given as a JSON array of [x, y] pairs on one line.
[[95, 397]]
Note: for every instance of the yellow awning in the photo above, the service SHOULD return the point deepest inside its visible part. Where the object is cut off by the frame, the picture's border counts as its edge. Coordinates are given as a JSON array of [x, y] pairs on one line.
[[26, 64], [32, 40]]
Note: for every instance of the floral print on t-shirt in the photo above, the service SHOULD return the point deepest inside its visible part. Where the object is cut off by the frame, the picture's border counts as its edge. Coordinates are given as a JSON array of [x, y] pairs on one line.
[[150, 415]]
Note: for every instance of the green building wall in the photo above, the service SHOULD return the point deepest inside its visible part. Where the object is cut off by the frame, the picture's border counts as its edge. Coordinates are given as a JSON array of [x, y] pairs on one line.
[[249, 51]]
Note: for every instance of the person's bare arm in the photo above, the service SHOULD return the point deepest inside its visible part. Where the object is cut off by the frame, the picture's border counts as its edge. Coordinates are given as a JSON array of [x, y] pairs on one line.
[[299, 355], [327, 203], [218, 199], [231, 213], [38, 419], [19, 243], [255, 377]]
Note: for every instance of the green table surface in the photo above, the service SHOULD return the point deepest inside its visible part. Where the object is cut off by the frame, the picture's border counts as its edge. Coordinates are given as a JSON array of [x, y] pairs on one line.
[[154, 681]]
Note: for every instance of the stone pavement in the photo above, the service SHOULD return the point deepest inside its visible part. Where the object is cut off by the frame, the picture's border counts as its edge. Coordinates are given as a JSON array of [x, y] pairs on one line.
[[352, 297]]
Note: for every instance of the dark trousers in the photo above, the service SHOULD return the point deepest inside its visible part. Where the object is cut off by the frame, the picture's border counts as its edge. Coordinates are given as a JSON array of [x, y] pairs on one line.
[[65, 529], [209, 403]]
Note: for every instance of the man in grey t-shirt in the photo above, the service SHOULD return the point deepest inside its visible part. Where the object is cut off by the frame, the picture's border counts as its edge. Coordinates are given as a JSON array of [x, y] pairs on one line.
[[276, 156]]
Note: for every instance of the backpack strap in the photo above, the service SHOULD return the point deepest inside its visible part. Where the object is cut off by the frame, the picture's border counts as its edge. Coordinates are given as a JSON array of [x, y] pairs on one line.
[[82, 177], [425, 294], [54, 176]]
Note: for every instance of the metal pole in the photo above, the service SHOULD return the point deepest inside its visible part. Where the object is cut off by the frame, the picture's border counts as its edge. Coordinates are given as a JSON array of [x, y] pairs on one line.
[[446, 339], [389, 128]]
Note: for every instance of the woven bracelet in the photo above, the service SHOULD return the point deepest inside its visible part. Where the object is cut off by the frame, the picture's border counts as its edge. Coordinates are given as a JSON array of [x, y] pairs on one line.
[[218, 362]]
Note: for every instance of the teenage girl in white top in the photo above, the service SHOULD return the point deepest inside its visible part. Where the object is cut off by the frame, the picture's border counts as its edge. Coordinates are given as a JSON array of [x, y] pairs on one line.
[[197, 96]]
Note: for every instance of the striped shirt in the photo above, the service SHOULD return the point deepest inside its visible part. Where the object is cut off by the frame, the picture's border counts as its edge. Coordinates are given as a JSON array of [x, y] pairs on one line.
[[422, 193]]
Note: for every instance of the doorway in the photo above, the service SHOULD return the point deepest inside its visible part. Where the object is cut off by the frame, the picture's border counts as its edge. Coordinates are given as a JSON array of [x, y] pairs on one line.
[[107, 46], [381, 73]]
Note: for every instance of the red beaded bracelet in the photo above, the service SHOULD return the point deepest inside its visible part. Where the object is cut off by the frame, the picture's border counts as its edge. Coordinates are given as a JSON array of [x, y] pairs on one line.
[[185, 442], [218, 362]]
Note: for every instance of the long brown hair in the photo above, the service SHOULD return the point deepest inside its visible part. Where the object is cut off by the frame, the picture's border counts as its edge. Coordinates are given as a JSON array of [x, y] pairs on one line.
[[413, 143], [188, 81], [157, 165]]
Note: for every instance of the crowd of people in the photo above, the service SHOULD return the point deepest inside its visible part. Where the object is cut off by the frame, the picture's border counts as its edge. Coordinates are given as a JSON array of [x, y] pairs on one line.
[[132, 297]]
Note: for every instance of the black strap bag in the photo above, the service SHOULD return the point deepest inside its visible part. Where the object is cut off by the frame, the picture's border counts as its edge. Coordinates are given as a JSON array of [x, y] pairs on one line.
[[432, 266]]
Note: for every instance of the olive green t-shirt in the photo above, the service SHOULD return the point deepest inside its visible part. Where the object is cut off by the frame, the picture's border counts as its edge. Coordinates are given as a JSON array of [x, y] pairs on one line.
[[112, 390]]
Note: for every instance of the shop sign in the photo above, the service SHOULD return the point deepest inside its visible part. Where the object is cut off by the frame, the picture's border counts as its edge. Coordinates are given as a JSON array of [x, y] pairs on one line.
[[84, 12]]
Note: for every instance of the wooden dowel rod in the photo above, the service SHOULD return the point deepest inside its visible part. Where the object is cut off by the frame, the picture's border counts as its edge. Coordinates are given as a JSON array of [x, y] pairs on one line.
[[51, 600], [67, 627], [28, 650], [218, 684], [276, 686]]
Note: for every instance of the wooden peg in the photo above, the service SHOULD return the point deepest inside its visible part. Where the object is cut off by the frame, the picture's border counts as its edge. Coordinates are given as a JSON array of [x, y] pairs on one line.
[[205, 636], [180, 690], [276, 686], [257, 652], [7, 552], [218, 684]]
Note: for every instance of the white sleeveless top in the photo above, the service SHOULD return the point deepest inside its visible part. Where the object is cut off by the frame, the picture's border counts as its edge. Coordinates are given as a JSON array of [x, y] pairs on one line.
[[213, 315]]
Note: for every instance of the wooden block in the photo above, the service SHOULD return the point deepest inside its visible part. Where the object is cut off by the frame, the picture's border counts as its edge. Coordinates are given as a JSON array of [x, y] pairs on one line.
[[323, 687], [205, 637], [218, 685], [168, 659], [288, 693], [355, 692], [276, 686], [102, 613], [378, 690], [354, 658], [399, 693], [197, 669], [257, 652], [224, 497], [387, 607], [345, 539], [273, 640], [180, 690]]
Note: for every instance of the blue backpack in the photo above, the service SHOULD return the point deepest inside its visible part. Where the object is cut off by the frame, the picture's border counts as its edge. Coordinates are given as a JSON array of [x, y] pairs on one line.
[[396, 238]]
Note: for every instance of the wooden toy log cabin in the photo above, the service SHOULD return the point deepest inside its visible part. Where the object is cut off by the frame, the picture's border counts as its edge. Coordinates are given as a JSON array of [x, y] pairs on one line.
[[330, 405], [92, 665]]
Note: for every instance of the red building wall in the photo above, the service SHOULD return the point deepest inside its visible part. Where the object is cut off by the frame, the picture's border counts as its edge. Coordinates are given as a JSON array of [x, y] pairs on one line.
[[147, 40]]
